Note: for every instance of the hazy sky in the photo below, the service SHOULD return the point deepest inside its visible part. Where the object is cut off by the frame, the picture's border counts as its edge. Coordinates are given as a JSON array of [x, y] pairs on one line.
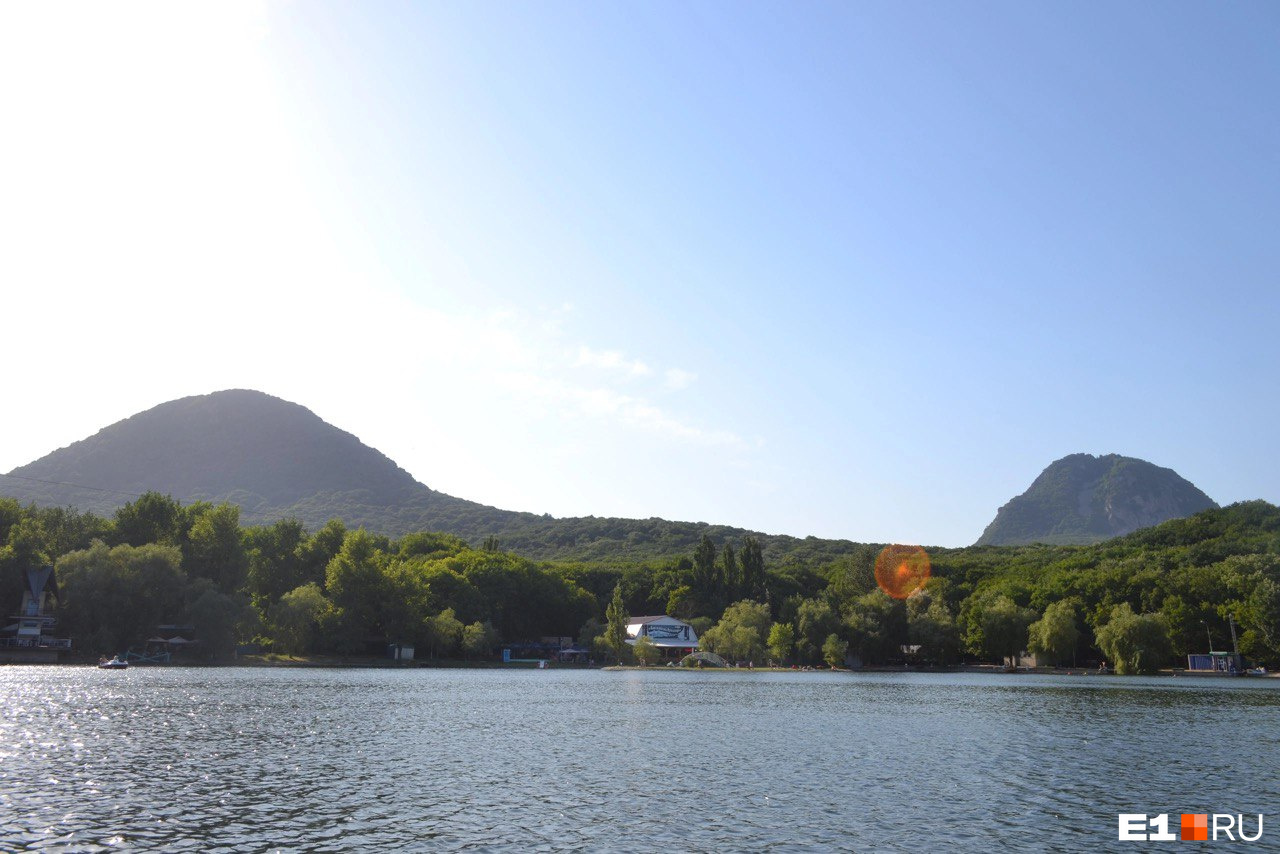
[[846, 269]]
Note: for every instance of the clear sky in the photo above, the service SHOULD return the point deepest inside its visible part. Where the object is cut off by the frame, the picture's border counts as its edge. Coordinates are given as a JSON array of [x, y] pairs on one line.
[[847, 269]]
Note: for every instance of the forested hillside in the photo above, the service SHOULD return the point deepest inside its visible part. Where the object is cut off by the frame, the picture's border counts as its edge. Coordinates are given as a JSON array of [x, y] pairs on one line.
[[1142, 601]]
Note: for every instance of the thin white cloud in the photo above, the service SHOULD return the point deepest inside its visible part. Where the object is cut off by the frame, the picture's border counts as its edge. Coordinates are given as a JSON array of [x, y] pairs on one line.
[[679, 379], [627, 410], [611, 360]]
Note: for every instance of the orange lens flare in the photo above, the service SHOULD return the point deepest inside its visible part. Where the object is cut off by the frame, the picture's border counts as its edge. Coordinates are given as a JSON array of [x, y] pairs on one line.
[[902, 570]]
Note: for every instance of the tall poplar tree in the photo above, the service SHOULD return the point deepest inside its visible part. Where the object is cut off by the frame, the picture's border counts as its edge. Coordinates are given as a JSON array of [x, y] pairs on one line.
[[752, 570], [730, 578], [704, 566], [616, 619]]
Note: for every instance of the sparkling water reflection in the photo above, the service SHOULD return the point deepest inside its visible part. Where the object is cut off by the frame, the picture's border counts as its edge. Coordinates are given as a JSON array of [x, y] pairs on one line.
[[326, 760]]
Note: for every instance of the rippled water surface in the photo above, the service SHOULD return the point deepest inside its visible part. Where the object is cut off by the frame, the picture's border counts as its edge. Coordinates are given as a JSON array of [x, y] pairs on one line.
[[306, 759]]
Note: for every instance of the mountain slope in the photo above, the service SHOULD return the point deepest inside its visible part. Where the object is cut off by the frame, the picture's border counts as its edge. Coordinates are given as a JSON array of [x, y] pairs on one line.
[[276, 459], [1083, 499], [272, 457]]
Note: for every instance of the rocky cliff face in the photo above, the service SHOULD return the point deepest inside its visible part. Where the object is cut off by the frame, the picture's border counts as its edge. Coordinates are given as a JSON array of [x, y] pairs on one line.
[[1085, 499]]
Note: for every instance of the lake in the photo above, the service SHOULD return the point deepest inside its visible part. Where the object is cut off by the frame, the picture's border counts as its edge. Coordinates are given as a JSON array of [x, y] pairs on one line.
[[257, 759]]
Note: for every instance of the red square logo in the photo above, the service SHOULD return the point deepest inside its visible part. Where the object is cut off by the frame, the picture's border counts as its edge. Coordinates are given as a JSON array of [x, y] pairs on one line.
[[1195, 827]]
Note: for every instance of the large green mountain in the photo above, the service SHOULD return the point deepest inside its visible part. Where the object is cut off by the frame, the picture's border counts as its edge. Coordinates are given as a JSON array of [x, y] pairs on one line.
[[1083, 499], [276, 459]]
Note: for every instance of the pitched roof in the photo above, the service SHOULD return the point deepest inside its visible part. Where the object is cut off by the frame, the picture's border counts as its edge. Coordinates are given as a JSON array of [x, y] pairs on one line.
[[639, 621]]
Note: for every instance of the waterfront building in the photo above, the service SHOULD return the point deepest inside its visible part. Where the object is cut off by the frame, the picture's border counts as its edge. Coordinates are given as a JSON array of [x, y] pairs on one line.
[[1220, 662], [30, 637], [673, 637], [1028, 660]]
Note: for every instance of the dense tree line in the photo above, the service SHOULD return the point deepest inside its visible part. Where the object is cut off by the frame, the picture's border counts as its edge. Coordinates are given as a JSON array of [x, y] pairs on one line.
[[1140, 601], [155, 563], [332, 591]]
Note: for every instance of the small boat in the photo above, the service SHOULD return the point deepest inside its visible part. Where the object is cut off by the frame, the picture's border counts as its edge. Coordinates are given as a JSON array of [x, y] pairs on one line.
[[116, 663]]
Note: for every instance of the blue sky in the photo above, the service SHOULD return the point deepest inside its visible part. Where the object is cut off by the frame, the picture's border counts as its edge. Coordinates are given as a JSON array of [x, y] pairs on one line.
[[845, 269]]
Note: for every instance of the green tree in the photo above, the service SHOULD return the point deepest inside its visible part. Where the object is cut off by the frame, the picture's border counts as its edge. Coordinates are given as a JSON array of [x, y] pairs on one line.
[[11, 513], [590, 633], [741, 632], [479, 639], [852, 575], [153, 518], [23, 549], [296, 617], [645, 651], [51, 531], [320, 549], [753, 575], [218, 618], [523, 600], [405, 602], [834, 650], [680, 602], [449, 590], [443, 633], [732, 579], [931, 628], [1135, 643], [431, 546], [815, 619], [357, 587], [1262, 617], [1001, 629], [704, 567], [1055, 634], [275, 561], [113, 598], [877, 626], [782, 638], [214, 548], [616, 619]]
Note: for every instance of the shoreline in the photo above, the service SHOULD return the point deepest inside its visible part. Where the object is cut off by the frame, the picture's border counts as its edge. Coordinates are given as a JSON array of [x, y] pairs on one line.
[[992, 669], [370, 663]]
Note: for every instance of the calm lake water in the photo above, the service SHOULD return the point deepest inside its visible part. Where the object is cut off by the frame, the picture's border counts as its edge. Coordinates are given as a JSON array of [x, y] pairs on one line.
[[307, 759]]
